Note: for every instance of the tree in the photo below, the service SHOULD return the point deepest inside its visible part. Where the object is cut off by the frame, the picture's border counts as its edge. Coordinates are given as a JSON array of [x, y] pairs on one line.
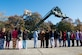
[[31, 21], [52, 26], [64, 25], [2, 24], [78, 24], [45, 26], [15, 21]]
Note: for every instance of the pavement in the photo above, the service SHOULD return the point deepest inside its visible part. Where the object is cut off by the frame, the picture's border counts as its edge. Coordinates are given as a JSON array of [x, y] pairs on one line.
[[42, 51]]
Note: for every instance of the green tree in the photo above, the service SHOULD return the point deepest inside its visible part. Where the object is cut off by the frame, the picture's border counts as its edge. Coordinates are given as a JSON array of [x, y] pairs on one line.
[[2, 24], [64, 25], [78, 24], [15, 21], [31, 21]]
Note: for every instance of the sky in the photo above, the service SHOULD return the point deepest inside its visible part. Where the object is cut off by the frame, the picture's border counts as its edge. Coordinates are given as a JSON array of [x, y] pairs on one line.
[[72, 8]]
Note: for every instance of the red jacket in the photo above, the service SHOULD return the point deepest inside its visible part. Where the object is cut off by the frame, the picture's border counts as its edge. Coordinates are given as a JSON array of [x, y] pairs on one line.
[[14, 34], [72, 36], [64, 36]]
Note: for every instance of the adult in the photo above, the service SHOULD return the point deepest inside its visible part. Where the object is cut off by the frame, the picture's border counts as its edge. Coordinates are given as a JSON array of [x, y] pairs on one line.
[[47, 38], [14, 37], [1, 39], [55, 37], [19, 33], [42, 36], [60, 38], [72, 38], [68, 38], [8, 38], [25, 35], [77, 38], [35, 35], [51, 33], [64, 38], [80, 38]]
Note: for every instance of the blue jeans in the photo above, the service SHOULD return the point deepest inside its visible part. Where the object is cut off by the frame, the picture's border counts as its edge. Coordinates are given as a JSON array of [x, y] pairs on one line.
[[1, 43], [35, 43], [68, 42], [24, 44]]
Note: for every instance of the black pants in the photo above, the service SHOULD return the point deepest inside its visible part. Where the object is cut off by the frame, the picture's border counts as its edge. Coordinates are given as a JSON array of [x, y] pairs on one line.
[[81, 42], [77, 41], [72, 42], [64, 43], [47, 43], [42, 43]]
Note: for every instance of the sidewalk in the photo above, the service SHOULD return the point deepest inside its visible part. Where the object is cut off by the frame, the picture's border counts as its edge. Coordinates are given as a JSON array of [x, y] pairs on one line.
[[42, 51]]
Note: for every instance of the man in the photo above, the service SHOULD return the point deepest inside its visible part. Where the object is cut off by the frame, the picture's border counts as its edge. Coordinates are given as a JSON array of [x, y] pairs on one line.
[[68, 38], [35, 35], [55, 37], [47, 38]]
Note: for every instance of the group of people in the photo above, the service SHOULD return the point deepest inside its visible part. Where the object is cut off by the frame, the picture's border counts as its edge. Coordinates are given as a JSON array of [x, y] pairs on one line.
[[58, 36], [16, 37], [19, 38]]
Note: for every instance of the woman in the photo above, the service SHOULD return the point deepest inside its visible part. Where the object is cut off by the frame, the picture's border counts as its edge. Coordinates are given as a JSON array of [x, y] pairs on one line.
[[72, 38], [42, 36], [80, 38], [25, 35], [1, 39], [77, 37], [8, 38], [35, 35], [52, 38], [64, 38], [60, 38], [14, 36]]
